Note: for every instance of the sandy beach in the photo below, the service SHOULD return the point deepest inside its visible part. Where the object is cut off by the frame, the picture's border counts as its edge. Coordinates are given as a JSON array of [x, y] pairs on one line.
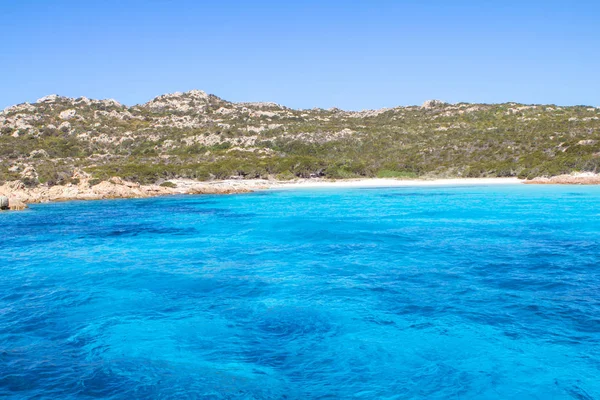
[[376, 182]]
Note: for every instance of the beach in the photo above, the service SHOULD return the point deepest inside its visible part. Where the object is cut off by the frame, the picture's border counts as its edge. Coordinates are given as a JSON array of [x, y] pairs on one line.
[[117, 188], [380, 182]]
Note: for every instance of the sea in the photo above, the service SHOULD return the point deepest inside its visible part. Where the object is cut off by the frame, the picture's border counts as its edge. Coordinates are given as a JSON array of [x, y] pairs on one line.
[[437, 292]]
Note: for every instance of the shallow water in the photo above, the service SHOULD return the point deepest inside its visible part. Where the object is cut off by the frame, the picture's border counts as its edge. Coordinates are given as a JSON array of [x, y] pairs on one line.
[[415, 292]]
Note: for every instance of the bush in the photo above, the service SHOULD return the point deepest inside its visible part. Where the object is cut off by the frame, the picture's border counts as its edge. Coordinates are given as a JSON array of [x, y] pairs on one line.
[[285, 176]]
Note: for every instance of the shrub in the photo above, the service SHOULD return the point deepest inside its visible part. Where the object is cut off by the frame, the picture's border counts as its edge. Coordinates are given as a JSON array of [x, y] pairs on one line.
[[285, 176]]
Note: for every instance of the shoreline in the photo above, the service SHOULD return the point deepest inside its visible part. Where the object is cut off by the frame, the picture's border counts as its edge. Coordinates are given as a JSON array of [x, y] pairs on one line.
[[390, 182], [116, 188]]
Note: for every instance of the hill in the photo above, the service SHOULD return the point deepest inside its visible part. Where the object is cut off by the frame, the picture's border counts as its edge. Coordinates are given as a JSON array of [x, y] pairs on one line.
[[201, 136]]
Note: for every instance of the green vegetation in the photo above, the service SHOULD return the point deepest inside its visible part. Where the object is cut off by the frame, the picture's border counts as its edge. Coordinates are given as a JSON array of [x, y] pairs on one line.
[[168, 184], [215, 139]]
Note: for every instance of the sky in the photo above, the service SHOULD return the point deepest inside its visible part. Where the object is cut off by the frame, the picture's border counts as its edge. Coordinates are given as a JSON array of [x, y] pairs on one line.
[[352, 55]]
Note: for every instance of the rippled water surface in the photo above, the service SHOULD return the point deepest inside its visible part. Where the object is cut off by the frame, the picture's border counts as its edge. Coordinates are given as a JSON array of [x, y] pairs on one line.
[[430, 293]]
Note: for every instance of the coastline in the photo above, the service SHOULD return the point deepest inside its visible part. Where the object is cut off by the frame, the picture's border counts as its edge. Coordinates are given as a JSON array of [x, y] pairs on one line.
[[390, 182], [116, 188], [583, 178]]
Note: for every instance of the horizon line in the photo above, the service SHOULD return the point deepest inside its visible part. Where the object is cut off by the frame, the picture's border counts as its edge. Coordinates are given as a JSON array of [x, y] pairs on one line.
[[41, 99]]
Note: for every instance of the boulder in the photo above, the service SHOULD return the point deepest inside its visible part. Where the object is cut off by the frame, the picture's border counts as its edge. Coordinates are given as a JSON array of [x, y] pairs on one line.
[[29, 173], [67, 114], [65, 126], [432, 104], [48, 99], [573, 179], [4, 205], [41, 153], [17, 205], [588, 142]]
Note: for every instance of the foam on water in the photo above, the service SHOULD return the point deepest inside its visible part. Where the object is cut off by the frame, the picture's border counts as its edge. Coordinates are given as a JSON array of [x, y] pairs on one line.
[[432, 292]]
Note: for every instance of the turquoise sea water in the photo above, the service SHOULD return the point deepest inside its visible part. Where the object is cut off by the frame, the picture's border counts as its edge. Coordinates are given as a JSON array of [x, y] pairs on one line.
[[402, 293]]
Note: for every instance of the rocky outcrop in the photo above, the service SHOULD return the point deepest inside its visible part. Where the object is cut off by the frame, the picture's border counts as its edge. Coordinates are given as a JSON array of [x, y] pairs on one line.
[[7, 203], [218, 190], [192, 100], [112, 189], [573, 179], [17, 205], [432, 104], [116, 188], [67, 114]]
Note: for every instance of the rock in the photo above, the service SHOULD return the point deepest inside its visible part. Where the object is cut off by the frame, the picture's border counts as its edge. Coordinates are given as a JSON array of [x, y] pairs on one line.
[[257, 104], [197, 94], [48, 99], [588, 142], [80, 174], [204, 188], [67, 114], [573, 179], [23, 107], [110, 103], [17, 205], [11, 204], [432, 104], [19, 194], [83, 100], [41, 153], [192, 100], [119, 181], [29, 173]]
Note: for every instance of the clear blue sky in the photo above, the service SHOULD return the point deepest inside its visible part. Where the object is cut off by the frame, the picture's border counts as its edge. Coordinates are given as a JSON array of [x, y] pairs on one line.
[[352, 55]]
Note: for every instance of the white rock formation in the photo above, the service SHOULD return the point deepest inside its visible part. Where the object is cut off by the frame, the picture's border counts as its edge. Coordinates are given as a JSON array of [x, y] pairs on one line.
[[432, 104], [48, 99], [67, 114]]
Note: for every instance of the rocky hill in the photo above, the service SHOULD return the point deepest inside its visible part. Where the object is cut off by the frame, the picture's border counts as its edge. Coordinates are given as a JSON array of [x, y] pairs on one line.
[[200, 136]]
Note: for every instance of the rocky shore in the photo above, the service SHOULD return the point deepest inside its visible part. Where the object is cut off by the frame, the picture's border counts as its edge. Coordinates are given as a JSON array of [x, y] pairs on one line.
[[11, 204], [20, 195], [572, 179]]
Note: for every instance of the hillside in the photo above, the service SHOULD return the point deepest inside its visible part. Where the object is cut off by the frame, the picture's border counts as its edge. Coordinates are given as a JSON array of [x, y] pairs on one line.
[[200, 136]]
